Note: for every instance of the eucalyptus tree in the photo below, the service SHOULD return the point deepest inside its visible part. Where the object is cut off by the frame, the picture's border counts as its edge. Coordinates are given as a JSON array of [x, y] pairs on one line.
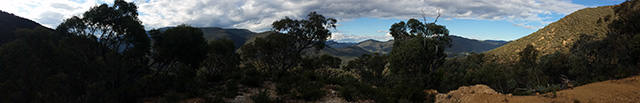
[[418, 50], [289, 41]]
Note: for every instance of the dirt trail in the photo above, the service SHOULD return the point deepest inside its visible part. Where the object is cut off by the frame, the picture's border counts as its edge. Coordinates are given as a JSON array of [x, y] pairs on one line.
[[625, 90]]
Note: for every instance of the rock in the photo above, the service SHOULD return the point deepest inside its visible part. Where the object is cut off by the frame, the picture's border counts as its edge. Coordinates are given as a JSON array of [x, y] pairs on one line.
[[479, 88], [464, 92]]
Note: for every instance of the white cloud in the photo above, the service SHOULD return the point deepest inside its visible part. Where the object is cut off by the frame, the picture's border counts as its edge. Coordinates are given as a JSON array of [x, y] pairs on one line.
[[49, 13], [257, 15], [448, 19], [527, 26], [339, 37]]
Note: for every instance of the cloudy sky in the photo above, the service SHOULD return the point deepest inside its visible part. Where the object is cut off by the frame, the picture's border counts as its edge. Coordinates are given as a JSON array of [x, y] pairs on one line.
[[358, 19]]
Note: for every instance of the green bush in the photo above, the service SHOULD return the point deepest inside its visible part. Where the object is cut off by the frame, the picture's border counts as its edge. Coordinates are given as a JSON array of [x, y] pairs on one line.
[[215, 99], [356, 91], [307, 86], [262, 97], [310, 91], [231, 89], [252, 78], [171, 97]]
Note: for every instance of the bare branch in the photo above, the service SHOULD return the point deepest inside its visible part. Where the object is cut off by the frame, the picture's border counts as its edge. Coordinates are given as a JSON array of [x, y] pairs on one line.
[[424, 16], [437, 17]]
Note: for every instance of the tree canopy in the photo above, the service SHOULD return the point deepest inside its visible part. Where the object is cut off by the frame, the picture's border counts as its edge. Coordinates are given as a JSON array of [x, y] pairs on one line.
[[292, 40], [419, 47]]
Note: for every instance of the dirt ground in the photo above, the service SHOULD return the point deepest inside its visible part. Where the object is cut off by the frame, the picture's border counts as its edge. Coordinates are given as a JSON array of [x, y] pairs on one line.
[[625, 90]]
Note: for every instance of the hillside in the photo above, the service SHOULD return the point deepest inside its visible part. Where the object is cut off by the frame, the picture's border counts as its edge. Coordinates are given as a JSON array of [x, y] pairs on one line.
[[463, 46], [348, 51], [376, 46], [238, 36], [460, 45], [611, 91], [9, 23], [345, 53], [335, 44], [561, 35]]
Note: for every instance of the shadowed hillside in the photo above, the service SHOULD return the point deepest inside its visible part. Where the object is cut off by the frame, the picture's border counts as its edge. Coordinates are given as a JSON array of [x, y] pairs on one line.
[[238, 36], [463, 46], [460, 46], [376, 46], [9, 23], [335, 44], [345, 53], [348, 51]]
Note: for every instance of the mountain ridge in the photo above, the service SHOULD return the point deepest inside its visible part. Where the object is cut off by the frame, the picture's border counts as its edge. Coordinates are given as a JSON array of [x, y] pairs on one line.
[[348, 51], [561, 35], [238, 36], [9, 23], [460, 45]]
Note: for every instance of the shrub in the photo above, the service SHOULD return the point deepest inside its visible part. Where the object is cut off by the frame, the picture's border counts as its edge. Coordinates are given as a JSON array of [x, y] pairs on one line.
[[310, 91], [253, 78], [262, 97], [170, 97], [356, 91], [231, 89], [215, 99]]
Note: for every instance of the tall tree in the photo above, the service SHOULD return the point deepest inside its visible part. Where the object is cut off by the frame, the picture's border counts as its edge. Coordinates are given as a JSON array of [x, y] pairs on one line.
[[418, 50], [292, 39], [418, 46], [371, 68], [179, 51], [528, 58], [107, 48], [116, 27], [310, 33], [184, 44], [221, 59]]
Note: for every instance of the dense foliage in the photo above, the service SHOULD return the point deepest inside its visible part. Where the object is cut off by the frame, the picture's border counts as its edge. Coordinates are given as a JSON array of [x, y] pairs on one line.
[[10, 22], [106, 56]]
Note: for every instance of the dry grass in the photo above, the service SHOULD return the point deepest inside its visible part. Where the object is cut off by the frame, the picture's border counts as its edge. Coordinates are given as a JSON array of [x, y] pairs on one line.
[[561, 35]]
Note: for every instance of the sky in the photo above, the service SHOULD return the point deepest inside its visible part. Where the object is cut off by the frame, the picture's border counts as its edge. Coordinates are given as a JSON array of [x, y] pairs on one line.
[[358, 20]]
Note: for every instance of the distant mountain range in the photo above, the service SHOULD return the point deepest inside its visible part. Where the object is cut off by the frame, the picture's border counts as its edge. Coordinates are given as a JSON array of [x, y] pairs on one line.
[[348, 51], [238, 36], [463, 46], [460, 45]]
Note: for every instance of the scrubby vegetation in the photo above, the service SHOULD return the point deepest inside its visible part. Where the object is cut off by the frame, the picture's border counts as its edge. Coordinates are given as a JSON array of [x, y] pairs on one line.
[[602, 53], [106, 56]]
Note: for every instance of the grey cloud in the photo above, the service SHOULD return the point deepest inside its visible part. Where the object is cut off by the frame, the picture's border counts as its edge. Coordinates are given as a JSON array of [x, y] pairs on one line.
[[50, 18], [63, 6], [339, 37], [257, 15]]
